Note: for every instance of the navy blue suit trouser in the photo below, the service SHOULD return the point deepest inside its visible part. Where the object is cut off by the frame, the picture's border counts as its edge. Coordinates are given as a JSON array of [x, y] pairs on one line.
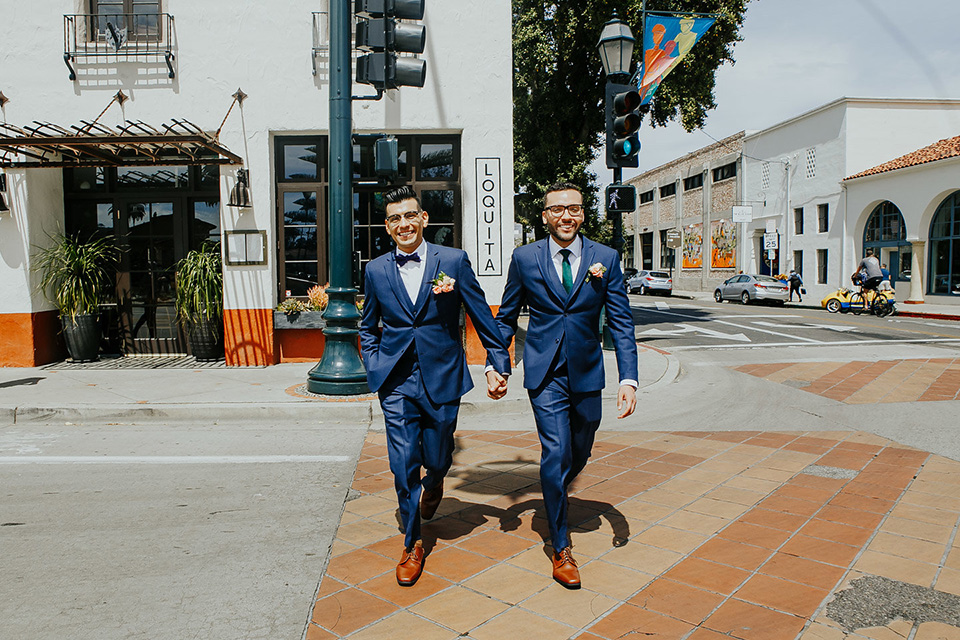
[[419, 435], [566, 423]]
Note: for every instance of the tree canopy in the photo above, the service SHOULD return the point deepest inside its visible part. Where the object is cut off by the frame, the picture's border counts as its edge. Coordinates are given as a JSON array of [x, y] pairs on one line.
[[558, 87]]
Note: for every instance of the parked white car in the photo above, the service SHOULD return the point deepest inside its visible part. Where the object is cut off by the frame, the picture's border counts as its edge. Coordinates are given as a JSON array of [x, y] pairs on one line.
[[650, 282], [749, 288]]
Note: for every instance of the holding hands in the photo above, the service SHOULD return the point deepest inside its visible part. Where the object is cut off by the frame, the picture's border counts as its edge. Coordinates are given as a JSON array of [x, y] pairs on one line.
[[496, 385]]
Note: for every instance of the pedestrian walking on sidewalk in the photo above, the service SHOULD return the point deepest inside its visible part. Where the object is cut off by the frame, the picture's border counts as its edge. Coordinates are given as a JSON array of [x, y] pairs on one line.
[[796, 285], [416, 363], [565, 280]]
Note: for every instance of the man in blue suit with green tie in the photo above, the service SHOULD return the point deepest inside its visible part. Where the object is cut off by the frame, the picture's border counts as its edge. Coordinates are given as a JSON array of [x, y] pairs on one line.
[[565, 280], [410, 341]]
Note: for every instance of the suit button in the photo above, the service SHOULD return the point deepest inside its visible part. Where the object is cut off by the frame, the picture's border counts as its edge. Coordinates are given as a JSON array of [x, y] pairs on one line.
[[558, 340]]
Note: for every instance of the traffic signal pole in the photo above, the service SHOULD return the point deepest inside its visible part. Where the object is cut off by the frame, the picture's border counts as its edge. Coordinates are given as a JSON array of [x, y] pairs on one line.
[[340, 370]]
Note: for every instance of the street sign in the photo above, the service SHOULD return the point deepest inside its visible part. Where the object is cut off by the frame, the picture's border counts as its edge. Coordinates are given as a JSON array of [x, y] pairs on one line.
[[673, 238], [771, 241], [621, 198], [743, 214]]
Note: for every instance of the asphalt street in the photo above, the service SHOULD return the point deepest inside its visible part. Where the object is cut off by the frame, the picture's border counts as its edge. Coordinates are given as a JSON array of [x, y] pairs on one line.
[[679, 325], [180, 530]]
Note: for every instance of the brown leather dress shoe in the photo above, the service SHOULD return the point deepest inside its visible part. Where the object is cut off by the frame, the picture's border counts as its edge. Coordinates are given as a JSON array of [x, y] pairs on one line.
[[430, 500], [565, 569], [410, 566]]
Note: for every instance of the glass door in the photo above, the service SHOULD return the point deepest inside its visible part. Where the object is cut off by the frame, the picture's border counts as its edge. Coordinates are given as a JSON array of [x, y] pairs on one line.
[[152, 235]]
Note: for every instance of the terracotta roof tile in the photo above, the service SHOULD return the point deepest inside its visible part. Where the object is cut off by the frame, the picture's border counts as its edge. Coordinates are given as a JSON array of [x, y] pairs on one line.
[[947, 148]]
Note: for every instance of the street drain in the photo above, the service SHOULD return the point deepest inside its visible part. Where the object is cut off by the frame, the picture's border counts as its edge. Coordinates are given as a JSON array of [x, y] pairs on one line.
[[874, 601], [830, 472]]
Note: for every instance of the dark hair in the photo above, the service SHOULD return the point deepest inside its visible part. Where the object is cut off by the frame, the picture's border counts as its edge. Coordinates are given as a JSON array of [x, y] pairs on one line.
[[869, 252], [559, 186], [400, 194]]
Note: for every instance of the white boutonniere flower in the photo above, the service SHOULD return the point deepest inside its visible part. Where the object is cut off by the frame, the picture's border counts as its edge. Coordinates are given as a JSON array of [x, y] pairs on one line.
[[596, 271], [443, 283]]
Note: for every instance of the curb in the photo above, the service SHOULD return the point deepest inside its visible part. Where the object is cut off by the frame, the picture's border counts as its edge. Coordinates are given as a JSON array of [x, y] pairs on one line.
[[315, 412], [931, 316]]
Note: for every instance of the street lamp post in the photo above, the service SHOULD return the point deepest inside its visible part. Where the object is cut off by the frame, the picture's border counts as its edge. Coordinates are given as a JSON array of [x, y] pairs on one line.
[[616, 54], [340, 370]]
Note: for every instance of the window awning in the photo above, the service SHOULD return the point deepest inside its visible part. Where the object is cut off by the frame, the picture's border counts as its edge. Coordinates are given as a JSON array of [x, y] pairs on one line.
[[135, 144]]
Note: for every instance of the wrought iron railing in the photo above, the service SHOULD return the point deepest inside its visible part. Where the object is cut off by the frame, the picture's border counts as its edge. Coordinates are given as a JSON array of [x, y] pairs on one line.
[[117, 37]]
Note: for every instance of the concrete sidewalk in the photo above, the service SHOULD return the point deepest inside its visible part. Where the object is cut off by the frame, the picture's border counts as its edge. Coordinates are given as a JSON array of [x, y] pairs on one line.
[[215, 394]]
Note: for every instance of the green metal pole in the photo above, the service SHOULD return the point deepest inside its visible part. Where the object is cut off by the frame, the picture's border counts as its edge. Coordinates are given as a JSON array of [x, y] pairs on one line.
[[340, 371]]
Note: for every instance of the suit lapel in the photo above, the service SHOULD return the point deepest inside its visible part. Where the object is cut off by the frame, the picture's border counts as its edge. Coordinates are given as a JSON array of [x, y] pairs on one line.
[[586, 259], [430, 270], [549, 272], [393, 277]]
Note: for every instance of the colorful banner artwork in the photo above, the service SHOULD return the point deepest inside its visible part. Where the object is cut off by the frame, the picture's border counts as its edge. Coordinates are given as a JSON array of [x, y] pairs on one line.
[[724, 242], [666, 40], [693, 246]]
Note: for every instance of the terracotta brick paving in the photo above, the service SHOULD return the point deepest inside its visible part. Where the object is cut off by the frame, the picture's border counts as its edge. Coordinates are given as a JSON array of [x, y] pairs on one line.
[[929, 380], [684, 535]]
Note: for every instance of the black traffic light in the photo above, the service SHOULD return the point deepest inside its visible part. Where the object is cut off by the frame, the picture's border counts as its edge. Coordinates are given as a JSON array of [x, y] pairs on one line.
[[380, 33], [623, 145], [621, 198]]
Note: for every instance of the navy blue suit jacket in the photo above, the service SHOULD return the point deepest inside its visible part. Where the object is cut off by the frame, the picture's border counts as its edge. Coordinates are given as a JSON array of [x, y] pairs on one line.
[[432, 326], [571, 321]]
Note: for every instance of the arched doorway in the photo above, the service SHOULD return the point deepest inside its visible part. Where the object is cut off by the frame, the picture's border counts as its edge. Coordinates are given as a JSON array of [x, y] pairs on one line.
[[945, 247], [886, 234]]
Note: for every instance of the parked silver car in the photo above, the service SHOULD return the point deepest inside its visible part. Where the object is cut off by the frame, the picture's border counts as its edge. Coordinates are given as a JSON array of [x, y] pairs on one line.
[[650, 282], [748, 288]]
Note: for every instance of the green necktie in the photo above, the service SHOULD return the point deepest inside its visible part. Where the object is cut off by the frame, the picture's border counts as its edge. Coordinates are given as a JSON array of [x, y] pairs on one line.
[[566, 270]]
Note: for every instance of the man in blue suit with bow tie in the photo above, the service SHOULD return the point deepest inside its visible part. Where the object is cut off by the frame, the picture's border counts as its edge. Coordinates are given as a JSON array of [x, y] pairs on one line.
[[410, 340], [565, 280]]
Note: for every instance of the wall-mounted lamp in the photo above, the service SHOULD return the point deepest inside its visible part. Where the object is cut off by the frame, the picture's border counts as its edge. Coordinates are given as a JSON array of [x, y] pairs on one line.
[[240, 194], [3, 189]]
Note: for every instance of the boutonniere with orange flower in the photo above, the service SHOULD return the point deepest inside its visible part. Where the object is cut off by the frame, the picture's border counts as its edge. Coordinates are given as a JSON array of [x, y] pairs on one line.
[[596, 271], [443, 283]]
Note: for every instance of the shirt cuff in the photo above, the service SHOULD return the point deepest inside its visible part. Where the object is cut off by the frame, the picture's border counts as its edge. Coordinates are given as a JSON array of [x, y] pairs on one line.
[[632, 383], [490, 368]]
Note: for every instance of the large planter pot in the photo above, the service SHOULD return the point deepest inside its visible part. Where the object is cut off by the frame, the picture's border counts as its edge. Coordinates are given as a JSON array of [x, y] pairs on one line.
[[206, 340], [82, 335]]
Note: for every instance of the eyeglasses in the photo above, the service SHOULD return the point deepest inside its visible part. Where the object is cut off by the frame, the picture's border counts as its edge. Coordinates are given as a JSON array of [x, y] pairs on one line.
[[409, 216], [575, 210]]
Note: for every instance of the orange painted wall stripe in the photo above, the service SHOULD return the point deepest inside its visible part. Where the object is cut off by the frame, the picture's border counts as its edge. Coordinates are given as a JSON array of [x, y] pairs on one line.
[[30, 339], [248, 337]]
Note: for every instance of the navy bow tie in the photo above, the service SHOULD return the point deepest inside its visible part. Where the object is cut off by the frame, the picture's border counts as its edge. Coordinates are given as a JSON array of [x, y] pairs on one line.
[[404, 258]]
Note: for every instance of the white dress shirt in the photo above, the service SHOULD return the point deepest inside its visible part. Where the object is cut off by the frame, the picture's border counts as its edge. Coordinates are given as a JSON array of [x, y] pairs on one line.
[[575, 248], [412, 272]]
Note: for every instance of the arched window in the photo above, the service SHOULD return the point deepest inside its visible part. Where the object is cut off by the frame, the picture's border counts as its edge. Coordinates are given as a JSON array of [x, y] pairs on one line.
[[945, 247], [886, 235]]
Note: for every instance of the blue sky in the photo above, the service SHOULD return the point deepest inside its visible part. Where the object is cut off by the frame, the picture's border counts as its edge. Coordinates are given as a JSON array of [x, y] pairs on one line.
[[798, 55]]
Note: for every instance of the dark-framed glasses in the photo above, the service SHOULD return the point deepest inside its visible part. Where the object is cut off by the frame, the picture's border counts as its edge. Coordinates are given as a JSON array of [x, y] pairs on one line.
[[575, 210], [409, 216]]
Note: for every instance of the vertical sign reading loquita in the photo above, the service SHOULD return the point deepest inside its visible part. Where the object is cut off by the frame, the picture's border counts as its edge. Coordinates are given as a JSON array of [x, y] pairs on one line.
[[489, 210]]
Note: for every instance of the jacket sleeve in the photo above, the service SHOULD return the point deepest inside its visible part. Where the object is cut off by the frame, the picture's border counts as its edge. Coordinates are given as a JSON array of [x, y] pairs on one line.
[[620, 321], [514, 297], [479, 311], [369, 321]]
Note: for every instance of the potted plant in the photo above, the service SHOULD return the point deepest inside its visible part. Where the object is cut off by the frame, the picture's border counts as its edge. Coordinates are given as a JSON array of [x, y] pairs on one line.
[[76, 276], [200, 300], [294, 313]]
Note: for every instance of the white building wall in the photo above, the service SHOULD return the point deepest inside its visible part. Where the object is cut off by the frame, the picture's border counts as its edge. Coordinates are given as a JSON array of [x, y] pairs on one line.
[[847, 136], [265, 49]]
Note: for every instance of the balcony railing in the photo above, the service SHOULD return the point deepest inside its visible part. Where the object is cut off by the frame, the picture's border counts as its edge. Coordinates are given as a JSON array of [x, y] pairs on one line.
[[118, 37]]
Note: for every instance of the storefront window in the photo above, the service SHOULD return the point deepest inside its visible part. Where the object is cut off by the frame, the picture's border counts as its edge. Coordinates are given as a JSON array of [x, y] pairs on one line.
[[886, 234], [429, 164], [945, 247]]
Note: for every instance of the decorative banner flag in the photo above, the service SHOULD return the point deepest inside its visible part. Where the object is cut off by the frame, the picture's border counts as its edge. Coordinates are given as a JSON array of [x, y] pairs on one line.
[[666, 40]]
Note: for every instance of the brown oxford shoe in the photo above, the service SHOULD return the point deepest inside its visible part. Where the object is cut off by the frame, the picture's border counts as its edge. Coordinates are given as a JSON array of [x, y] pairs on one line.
[[410, 566], [430, 500], [565, 569]]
